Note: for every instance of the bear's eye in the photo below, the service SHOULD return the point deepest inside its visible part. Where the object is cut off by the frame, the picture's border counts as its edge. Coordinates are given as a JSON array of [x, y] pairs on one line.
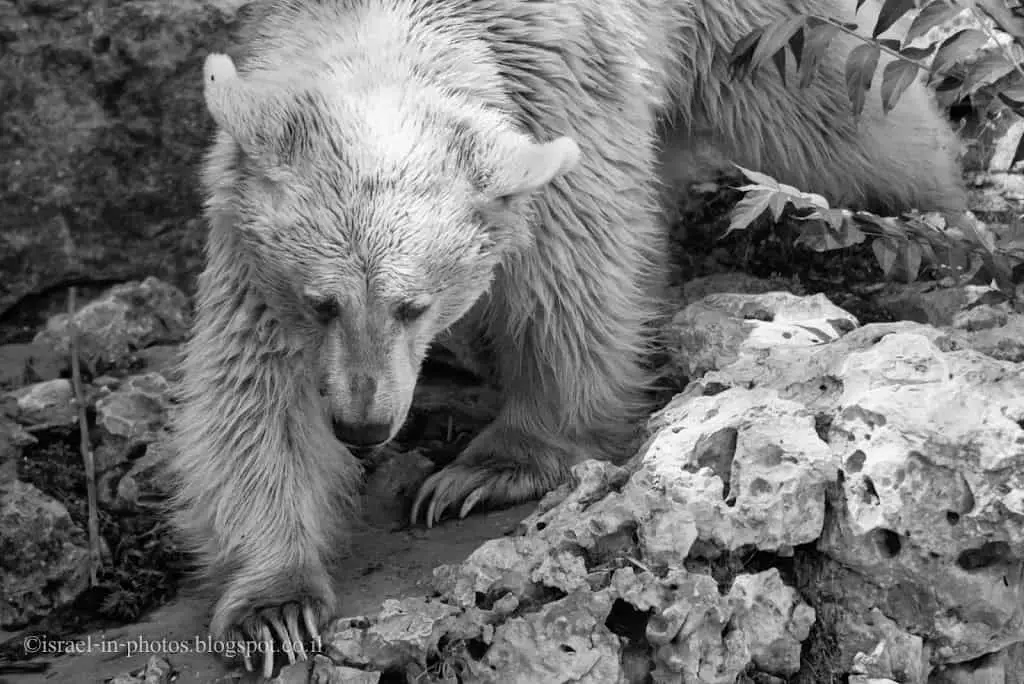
[[409, 312], [324, 308]]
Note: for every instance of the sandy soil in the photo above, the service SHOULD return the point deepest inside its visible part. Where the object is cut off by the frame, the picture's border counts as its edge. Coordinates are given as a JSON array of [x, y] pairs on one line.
[[386, 563]]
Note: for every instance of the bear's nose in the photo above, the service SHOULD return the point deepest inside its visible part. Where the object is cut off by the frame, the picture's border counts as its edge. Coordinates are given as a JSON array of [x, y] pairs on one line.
[[362, 434]]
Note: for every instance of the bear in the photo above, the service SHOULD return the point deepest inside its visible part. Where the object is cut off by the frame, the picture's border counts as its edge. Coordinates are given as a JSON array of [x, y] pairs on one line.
[[383, 169]]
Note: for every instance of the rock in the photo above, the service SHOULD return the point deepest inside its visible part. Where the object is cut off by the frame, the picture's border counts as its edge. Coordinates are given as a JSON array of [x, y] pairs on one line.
[[774, 619], [127, 318], [158, 670], [565, 641], [923, 302], [897, 655], [44, 555], [403, 633], [13, 439], [145, 484], [133, 415], [25, 364], [716, 330], [931, 503], [323, 671], [989, 669], [1004, 342], [980, 318], [49, 403], [103, 127], [749, 465], [733, 282]]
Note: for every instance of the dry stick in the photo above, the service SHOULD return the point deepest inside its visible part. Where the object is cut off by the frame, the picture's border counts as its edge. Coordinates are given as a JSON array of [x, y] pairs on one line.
[[95, 558]]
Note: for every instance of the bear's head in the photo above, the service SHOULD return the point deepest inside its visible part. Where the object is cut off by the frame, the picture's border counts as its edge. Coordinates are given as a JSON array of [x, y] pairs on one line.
[[372, 218]]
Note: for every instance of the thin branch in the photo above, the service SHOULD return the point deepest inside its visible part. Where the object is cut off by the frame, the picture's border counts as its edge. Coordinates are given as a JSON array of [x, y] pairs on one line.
[[95, 556], [983, 21]]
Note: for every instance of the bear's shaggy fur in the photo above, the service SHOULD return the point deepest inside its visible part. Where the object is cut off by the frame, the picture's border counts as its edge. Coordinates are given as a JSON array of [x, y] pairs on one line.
[[382, 167]]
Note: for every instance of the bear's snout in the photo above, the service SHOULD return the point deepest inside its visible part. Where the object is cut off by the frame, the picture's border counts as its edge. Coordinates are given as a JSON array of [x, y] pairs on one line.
[[362, 435]]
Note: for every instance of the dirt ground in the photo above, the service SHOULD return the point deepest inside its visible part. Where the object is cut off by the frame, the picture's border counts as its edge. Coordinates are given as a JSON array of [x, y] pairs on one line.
[[387, 561]]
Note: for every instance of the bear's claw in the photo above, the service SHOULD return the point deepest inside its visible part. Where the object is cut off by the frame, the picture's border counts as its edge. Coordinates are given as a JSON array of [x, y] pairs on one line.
[[277, 629], [522, 468]]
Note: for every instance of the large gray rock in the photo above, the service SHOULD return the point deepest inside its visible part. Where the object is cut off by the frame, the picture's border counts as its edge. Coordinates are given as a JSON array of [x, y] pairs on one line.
[[102, 127]]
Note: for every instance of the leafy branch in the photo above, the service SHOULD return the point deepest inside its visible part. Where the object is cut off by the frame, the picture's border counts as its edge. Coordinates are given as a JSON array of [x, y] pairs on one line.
[[959, 65], [949, 246]]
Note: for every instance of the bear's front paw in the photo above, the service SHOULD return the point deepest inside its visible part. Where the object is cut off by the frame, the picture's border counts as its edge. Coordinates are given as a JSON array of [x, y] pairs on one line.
[[502, 466], [284, 628]]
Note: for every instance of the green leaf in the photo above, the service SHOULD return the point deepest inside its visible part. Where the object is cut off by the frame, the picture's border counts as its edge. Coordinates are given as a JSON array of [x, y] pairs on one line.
[[917, 54], [886, 252], [796, 45], [988, 69], [896, 78], [816, 43], [757, 177], [1009, 20], [860, 68], [774, 40], [958, 46], [933, 14], [742, 52], [748, 209], [890, 13], [910, 257]]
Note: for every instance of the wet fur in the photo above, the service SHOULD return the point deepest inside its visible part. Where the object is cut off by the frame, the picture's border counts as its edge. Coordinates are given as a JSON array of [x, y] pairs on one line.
[[267, 493]]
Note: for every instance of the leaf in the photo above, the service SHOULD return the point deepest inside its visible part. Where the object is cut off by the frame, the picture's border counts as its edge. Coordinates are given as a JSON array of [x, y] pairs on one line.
[[815, 44], [775, 38], [917, 54], [860, 68], [796, 45], [1006, 18], [780, 64], [910, 258], [896, 78], [890, 13], [830, 230], [777, 203], [885, 250], [959, 45], [742, 52], [991, 67], [748, 209], [762, 178], [933, 14]]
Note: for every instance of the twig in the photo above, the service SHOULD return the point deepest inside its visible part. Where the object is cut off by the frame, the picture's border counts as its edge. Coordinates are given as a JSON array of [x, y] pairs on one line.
[[983, 21], [95, 557]]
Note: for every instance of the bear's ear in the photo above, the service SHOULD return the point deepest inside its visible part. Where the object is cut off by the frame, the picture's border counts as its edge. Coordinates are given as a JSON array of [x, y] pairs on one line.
[[259, 117], [526, 166]]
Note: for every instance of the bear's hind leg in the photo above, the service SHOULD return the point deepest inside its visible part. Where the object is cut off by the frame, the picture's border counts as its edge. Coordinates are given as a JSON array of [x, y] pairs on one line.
[[265, 492]]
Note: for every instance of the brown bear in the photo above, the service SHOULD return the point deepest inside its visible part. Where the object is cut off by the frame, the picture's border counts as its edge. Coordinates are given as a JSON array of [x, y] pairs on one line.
[[384, 168]]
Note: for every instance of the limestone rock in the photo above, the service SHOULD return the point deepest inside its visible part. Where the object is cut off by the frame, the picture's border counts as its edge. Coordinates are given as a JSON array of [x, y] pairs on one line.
[[747, 466], [720, 328]]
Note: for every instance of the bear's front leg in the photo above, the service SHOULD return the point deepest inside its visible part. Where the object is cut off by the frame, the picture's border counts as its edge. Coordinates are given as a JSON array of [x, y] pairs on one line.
[[506, 464], [265, 494], [571, 322]]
